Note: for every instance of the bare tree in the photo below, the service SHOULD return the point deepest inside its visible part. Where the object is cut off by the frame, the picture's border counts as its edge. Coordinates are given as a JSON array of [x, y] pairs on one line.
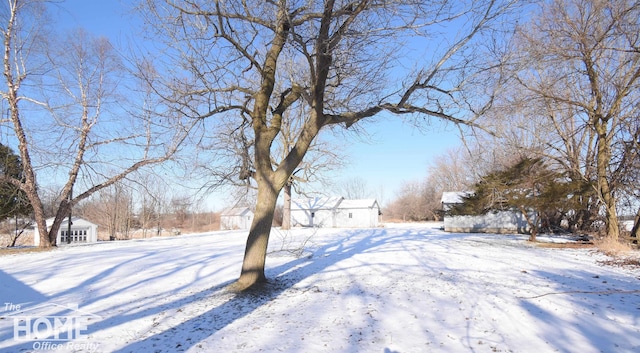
[[354, 188], [581, 64], [152, 193], [229, 160], [112, 209], [320, 158], [627, 175], [77, 129], [181, 209], [229, 57], [455, 169], [410, 205]]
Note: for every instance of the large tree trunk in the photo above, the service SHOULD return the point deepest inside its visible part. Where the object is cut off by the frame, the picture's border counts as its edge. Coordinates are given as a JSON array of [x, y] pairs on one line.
[[269, 182], [635, 231], [256, 249], [29, 184], [603, 159], [41, 222], [61, 214], [12, 98], [613, 226], [286, 209]]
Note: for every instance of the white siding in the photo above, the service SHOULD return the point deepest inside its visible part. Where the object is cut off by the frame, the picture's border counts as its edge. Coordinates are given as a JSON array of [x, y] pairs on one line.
[[358, 213], [314, 212], [500, 222], [359, 217], [324, 218], [334, 212], [236, 218], [82, 231], [313, 218]]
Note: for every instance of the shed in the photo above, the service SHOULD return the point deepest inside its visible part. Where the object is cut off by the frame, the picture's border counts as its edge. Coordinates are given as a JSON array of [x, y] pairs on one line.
[[492, 222], [82, 231], [236, 218], [335, 212]]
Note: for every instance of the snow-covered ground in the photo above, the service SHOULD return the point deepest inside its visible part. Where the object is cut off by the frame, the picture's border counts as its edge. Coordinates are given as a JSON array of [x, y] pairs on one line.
[[402, 288]]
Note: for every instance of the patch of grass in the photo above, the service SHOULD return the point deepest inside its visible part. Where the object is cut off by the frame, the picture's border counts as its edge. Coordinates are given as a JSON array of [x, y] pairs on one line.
[[612, 247], [621, 252], [568, 245]]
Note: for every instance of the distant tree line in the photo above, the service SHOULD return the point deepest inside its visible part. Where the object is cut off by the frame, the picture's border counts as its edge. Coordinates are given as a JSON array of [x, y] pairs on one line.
[[567, 111]]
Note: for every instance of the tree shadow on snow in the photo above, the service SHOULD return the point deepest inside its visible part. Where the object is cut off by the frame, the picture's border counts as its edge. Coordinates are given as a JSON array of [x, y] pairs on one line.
[[596, 301], [187, 334], [239, 305], [34, 305]]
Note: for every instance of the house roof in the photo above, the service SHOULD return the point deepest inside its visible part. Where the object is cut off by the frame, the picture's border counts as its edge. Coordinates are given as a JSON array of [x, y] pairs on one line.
[[235, 211], [362, 203], [451, 197], [331, 203], [75, 221], [316, 203]]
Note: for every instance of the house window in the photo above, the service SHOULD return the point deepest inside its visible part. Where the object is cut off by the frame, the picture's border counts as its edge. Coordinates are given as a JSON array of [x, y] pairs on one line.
[[350, 215]]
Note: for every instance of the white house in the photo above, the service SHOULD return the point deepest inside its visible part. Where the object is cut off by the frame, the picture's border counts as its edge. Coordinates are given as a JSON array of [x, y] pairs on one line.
[[82, 231], [492, 222], [334, 212], [236, 218], [314, 212]]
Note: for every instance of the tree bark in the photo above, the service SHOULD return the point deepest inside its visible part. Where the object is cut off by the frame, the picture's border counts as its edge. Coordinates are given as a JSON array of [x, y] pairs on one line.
[[286, 209], [13, 85], [635, 231], [532, 221], [253, 265], [603, 159]]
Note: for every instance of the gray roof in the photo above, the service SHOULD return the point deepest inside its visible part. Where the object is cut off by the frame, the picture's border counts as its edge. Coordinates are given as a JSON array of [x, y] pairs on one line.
[[235, 211], [331, 203], [362, 203], [75, 221], [316, 203]]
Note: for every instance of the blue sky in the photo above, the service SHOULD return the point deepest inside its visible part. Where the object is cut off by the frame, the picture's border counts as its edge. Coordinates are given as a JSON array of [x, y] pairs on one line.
[[396, 152]]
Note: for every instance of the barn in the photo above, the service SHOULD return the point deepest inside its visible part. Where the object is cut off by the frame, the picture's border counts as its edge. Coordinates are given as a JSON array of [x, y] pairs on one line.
[[82, 231], [334, 212], [492, 222], [236, 218]]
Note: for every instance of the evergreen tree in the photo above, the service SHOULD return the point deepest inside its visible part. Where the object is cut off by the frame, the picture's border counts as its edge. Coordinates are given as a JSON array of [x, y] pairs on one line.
[[13, 201], [543, 196]]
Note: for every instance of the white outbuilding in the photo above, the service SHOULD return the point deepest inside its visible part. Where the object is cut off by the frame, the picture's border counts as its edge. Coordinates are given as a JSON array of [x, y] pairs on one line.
[[509, 221], [335, 212], [82, 231], [236, 218]]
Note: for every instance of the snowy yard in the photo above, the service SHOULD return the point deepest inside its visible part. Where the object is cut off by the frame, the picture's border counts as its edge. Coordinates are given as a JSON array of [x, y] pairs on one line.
[[396, 289]]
